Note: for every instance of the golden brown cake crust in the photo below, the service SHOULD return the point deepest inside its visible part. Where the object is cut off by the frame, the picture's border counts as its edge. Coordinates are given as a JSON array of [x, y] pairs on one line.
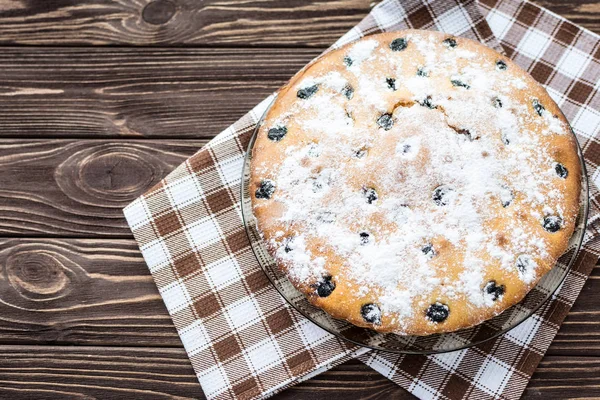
[[413, 182]]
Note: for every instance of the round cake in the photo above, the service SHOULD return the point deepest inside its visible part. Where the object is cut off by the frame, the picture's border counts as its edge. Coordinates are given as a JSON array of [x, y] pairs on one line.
[[415, 182]]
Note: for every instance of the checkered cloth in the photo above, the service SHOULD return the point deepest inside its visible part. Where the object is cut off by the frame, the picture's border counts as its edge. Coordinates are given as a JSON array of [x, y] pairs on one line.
[[243, 339]]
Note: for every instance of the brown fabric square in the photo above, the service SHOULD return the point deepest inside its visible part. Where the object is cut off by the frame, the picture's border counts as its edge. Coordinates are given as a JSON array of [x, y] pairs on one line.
[[244, 138], [592, 151], [257, 281], [167, 223], [566, 33], [528, 362], [201, 162], [219, 200], [541, 72], [248, 389], [356, 334], [227, 348], [508, 50], [580, 92], [484, 331], [280, 321], [484, 29], [456, 387], [187, 264], [300, 363], [412, 364], [420, 18], [207, 305], [238, 241], [528, 14]]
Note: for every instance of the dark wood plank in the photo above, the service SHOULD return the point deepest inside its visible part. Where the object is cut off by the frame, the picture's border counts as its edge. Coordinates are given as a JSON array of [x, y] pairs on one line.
[[80, 292], [120, 372], [178, 22], [203, 23], [99, 292], [48, 372], [77, 188], [131, 92]]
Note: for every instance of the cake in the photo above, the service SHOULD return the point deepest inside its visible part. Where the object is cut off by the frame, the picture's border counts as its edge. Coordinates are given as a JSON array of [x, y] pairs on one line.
[[414, 182]]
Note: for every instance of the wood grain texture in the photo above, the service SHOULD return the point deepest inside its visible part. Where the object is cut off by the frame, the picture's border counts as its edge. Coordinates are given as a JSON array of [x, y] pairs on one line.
[[79, 292], [55, 372], [261, 23], [99, 292], [179, 22], [129, 92], [78, 188]]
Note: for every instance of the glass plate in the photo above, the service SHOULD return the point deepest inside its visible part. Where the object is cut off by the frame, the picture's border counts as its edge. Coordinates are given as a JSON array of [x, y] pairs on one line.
[[410, 344]]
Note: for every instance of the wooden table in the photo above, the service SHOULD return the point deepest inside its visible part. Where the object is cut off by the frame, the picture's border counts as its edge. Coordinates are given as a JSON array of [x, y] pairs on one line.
[[99, 99]]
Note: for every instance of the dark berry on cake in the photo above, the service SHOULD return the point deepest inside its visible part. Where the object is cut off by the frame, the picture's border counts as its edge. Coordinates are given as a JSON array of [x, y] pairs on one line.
[[398, 44], [561, 170], [371, 313], [385, 121], [437, 312], [494, 290], [348, 61], [325, 286], [348, 91], [428, 250], [287, 244], [307, 92], [391, 83], [450, 43], [360, 153], [466, 133], [501, 65], [538, 107], [441, 195], [497, 102], [365, 237], [277, 133], [506, 196], [459, 83], [265, 190], [428, 102], [524, 263], [552, 223], [370, 195], [422, 72]]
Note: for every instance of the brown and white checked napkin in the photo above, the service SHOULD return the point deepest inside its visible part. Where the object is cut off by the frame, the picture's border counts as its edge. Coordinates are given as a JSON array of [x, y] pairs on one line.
[[243, 339]]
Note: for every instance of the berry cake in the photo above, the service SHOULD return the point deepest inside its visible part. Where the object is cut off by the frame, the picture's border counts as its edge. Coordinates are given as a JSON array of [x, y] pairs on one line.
[[415, 183]]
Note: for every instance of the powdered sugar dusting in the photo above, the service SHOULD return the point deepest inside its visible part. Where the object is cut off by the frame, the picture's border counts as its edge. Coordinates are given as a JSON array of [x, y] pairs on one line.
[[459, 170]]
